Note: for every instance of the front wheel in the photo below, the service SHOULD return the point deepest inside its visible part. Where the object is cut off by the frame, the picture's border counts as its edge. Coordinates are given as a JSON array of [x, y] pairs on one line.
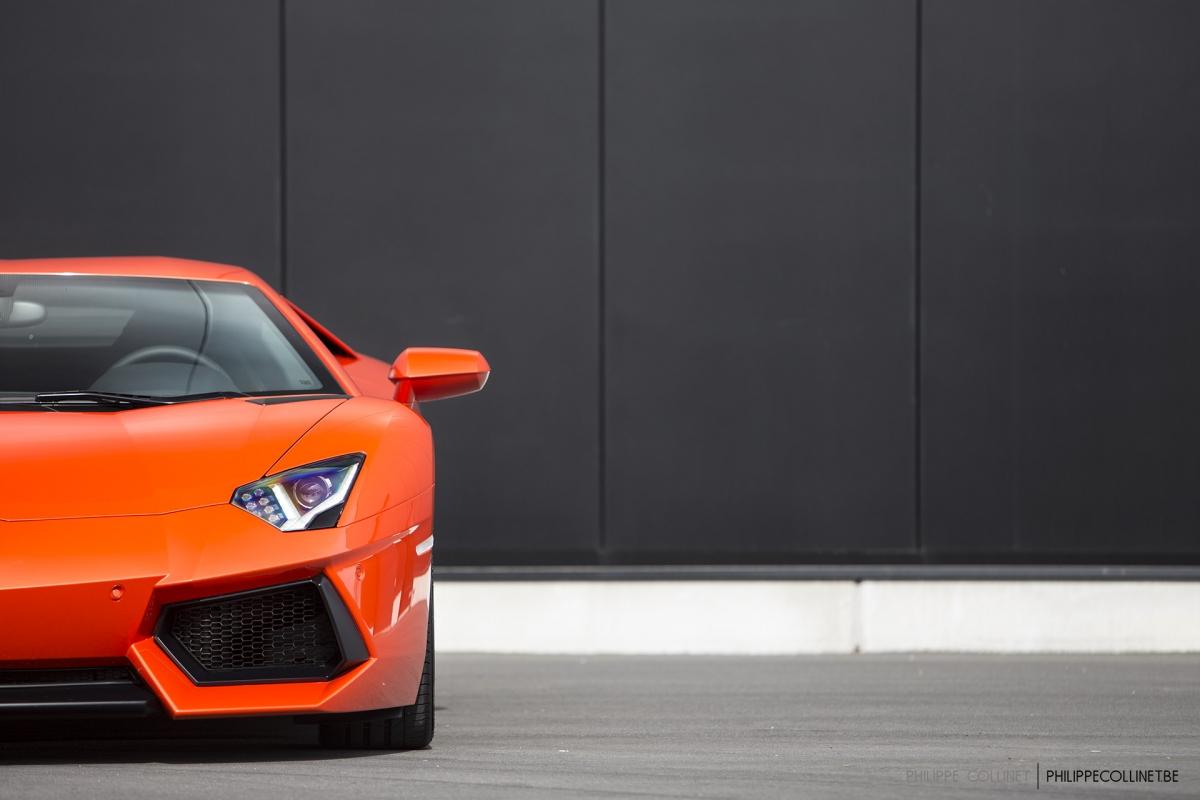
[[408, 728]]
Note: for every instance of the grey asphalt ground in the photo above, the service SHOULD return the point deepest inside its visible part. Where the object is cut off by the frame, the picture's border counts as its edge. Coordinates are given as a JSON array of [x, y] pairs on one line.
[[551, 727]]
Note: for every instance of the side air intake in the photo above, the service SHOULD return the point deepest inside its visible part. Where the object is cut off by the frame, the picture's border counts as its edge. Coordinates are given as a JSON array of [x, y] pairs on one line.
[[293, 632]]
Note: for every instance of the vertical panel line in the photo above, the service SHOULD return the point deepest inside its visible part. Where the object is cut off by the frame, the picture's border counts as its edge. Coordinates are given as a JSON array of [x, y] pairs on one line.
[[918, 333], [283, 156], [601, 199]]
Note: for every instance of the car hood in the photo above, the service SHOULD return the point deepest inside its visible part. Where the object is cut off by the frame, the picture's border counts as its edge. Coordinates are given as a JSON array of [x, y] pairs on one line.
[[56, 465]]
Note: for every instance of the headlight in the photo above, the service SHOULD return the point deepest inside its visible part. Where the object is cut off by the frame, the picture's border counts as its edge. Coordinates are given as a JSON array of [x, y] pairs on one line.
[[304, 498]]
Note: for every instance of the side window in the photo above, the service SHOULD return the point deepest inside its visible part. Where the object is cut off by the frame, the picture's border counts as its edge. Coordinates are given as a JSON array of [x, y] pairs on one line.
[[341, 351]]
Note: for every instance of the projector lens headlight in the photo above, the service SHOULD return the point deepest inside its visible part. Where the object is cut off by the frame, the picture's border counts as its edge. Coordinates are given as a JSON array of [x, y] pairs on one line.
[[304, 498], [312, 490]]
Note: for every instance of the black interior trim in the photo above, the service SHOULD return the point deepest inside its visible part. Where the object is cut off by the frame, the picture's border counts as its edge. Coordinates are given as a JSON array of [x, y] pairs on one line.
[[295, 398]]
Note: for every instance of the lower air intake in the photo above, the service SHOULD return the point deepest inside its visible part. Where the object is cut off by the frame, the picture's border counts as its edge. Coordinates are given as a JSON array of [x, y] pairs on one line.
[[64, 677], [298, 631]]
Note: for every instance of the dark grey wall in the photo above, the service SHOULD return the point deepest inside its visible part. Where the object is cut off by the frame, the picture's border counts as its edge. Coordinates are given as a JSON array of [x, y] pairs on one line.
[[1061, 278], [759, 278], [132, 127], [761, 281]]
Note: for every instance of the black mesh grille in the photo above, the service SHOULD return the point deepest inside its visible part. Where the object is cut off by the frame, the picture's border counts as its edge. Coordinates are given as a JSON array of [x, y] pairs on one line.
[[284, 628]]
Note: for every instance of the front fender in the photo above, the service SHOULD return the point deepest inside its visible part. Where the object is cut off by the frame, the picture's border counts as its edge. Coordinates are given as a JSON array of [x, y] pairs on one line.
[[398, 445]]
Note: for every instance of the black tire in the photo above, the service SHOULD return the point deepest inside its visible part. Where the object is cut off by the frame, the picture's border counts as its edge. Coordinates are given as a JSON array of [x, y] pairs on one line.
[[408, 728]]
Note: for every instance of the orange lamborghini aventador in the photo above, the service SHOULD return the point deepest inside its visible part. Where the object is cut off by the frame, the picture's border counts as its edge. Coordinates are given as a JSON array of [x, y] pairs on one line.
[[211, 505]]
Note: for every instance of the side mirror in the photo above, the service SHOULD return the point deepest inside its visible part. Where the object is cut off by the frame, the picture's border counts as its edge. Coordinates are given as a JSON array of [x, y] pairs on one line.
[[434, 373]]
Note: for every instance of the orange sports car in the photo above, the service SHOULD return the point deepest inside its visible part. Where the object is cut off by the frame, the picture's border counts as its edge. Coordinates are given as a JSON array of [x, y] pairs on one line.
[[212, 506]]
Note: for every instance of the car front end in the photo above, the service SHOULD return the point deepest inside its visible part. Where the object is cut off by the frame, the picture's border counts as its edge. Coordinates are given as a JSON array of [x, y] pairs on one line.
[[203, 514]]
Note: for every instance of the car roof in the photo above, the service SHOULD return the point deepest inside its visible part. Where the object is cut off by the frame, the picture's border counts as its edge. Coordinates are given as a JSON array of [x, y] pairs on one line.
[[131, 266]]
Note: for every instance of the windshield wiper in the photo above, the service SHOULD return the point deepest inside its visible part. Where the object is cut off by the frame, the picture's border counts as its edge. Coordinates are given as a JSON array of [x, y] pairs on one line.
[[183, 398], [82, 396]]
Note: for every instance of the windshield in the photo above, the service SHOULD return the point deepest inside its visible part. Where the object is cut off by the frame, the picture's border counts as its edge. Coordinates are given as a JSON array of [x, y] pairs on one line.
[[155, 337]]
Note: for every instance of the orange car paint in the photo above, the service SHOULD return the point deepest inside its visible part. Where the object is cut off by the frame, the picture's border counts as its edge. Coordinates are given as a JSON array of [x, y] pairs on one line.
[[85, 569], [431, 373]]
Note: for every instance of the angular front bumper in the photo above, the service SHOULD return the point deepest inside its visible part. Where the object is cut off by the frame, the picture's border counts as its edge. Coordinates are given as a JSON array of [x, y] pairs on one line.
[[84, 592]]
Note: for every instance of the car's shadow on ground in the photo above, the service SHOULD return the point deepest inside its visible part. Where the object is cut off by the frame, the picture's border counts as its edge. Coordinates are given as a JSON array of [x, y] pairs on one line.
[[123, 741]]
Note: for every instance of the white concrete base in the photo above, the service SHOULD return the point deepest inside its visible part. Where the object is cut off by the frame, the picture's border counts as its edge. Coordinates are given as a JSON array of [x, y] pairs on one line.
[[790, 617]]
